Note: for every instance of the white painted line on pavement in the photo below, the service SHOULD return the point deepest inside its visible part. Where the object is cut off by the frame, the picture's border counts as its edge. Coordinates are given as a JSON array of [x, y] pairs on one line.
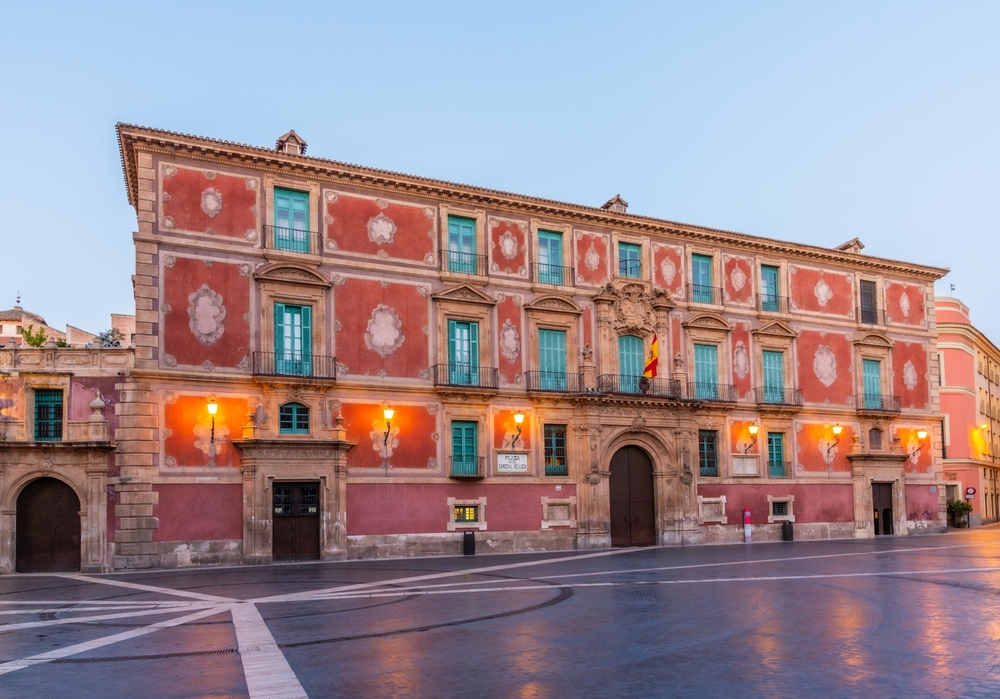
[[268, 674], [87, 619], [106, 641], [146, 588], [66, 610]]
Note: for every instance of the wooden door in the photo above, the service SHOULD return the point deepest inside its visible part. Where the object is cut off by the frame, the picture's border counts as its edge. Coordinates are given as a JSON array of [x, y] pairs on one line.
[[631, 489], [295, 528], [48, 527], [882, 508]]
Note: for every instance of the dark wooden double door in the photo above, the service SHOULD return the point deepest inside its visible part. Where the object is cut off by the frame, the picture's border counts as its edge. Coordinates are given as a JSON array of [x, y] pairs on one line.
[[295, 523], [882, 508], [633, 522], [48, 527]]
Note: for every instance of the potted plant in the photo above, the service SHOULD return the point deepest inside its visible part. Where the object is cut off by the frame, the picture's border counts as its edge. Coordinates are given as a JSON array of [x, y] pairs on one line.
[[959, 510]]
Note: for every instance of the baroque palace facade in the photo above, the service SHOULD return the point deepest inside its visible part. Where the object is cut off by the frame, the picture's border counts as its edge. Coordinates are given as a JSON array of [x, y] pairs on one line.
[[336, 361]]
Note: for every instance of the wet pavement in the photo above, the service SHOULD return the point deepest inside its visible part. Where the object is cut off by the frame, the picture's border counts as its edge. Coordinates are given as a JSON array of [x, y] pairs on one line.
[[891, 617]]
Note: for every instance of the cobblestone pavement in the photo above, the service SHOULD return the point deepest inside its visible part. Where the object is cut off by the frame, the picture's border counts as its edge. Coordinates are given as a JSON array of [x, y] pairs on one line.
[[889, 617]]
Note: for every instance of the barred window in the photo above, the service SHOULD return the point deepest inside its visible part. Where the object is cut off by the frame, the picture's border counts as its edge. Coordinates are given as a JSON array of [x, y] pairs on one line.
[[48, 415], [708, 452], [555, 451]]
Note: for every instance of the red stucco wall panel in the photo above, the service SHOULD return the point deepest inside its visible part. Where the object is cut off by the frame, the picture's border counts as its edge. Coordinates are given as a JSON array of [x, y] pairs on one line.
[[742, 359], [825, 367], [413, 436], [813, 503], [370, 226], [904, 303], [187, 439], [919, 462], [206, 316], [206, 201], [910, 375], [921, 503], [592, 258], [382, 327], [510, 340], [815, 446], [504, 430], [740, 439], [668, 270], [822, 291], [508, 247], [199, 511], [738, 280], [962, 412]]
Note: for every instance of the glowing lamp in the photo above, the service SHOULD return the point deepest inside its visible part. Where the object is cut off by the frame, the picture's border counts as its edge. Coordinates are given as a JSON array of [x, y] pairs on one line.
[[387, 413], [518, 419], [213, 407], [921, 435], [753, 429], [837, 429]]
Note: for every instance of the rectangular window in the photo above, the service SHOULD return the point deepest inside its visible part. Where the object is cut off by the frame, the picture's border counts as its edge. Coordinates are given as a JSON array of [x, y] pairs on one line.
[[552, 359], [769, 288], [550, 270], [701, 278], [461, 245], [466, 513], [293, 418], [706, 372], [779, 508], [464, 449], [463, 353], [774, 376], [707, 452], [940, 359], [630, 363], [872, 374], [48, 415], [776, 455], [291, 220], [292, 339], [555, 451], [869, 307], [628, 260]]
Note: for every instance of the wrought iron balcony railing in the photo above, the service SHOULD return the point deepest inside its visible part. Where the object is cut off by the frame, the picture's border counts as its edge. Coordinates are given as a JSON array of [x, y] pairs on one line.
[[779, 469], [704, 294], [769, 303], [718, 392], [770, 395], [469, 468], [876, 402], [552, 274], [294, 364], [638, 386], [868, 315], [558, 382], [291, 239], [463, 263], [471, 375]]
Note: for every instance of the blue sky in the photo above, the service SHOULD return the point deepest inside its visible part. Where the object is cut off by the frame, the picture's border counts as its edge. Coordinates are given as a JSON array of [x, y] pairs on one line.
[[812, 122]]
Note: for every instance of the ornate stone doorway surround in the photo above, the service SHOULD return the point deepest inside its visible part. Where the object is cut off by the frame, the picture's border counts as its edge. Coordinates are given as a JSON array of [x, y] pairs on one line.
[[877, 468]]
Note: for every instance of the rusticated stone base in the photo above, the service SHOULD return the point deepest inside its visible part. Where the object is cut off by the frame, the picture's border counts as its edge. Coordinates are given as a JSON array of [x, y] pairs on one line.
[[180, 554], [731, 534], [450, 544]]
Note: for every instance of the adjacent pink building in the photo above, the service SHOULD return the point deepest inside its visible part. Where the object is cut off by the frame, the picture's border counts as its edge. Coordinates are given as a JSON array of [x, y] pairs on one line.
[[970, 402]]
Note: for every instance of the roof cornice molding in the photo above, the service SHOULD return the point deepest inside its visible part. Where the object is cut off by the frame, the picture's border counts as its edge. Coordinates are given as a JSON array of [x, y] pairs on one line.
[[132, 138]]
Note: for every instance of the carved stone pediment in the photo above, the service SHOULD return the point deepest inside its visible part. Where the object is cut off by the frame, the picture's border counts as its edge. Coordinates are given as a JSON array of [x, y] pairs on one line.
[[463, 293], [630, 308], [708, 321], [775, 329], [554, 304], [290, 272], [874, 340]]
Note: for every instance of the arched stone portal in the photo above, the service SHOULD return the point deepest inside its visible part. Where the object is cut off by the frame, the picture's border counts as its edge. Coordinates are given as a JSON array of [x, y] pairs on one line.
[[48, 527], [633, 520]]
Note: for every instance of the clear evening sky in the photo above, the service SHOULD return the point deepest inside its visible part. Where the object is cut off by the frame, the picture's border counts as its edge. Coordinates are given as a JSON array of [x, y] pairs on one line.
[[811, 122]]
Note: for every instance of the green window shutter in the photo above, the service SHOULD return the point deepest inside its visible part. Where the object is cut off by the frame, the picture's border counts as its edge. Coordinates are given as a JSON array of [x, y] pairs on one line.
[[629, 264], [872, 376], [775, 454], [769, 288], [279, 328], [463, 449], [293, 339], [552, 358], [701, 279], [306, 340], [707, 453], [550, 258], [706, 372], [291, 220], [463, 353], [774, 376], [630, 362], [461, 245]]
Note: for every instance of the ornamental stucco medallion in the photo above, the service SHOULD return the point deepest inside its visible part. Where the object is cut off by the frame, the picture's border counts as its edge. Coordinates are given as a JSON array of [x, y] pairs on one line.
[[669, 270], [825, 365], [206, 313], [510, 342], [208, 444], [823, 292], [381, 229], [741, 360], [592, 260], [738, 278], [904, 304], [384, 333], [909, 375], [508, 245], [384, 447], [211, 202]]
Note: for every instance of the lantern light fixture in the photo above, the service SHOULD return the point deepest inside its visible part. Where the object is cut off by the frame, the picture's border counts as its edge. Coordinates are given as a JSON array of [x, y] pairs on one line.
[[213, 408], [387, 413], [837, 429], [922, 436], [753, 429], [518, 419]]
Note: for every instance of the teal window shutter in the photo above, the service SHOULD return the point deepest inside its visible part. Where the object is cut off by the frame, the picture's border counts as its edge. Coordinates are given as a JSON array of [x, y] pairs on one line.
[[629, 264], [293, 418], [774, 376], [550, 269], [630, 363], [775, 454], [461, 245], [555, 450], [306, 340], [769, 291], [872, 377], [463, 449], [706, 372], [708, 452], [48, 415], [291, 220], [279, 329], [552, 359], [293, 339], [701, 279], [463, 353]]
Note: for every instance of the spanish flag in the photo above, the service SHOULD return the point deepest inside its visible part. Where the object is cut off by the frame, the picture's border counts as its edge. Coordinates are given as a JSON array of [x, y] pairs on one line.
[[654, 354]]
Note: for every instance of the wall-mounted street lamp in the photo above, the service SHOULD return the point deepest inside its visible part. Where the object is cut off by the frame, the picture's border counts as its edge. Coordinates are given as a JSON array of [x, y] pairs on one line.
[[518, 419], [922, 436], [213, 408], [753, 429], [387, 413], [837, 429]]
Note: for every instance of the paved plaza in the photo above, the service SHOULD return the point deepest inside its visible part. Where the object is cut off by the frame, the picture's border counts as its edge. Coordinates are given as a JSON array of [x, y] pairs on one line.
[[888, 617]]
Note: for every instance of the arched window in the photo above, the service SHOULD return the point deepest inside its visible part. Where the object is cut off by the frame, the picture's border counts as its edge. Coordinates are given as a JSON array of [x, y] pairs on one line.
[[875, 439], [293, 418]]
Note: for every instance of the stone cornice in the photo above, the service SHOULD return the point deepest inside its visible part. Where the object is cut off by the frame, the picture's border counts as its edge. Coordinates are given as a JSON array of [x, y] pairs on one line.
[[134, 138], [972, 332]]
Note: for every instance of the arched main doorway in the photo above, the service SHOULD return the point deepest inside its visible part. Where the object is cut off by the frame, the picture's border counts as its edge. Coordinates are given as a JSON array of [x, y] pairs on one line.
[[631, 488], [48, 527]]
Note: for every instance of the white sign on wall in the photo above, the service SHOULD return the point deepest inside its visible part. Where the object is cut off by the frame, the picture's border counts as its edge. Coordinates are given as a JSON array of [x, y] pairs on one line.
[[512, 462]]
